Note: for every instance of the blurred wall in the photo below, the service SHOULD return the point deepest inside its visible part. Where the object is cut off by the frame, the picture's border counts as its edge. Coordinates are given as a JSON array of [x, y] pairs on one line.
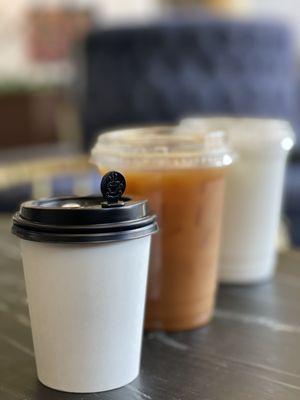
[[286, 9], [113, 11], [14, 60], [11, 42]]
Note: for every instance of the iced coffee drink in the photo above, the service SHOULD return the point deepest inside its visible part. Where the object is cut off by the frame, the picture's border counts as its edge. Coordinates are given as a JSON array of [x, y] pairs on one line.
[[182, 176]]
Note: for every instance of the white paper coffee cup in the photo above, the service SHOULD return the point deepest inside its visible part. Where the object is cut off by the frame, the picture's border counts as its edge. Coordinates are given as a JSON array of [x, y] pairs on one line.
[[86, 286]]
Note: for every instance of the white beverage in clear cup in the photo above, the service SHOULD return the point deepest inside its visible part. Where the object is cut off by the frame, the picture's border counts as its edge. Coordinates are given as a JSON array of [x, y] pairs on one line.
[[253, 195], [86, 269]]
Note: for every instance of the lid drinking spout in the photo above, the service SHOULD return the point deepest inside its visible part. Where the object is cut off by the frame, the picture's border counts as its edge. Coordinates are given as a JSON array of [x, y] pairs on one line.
[[113, 185]]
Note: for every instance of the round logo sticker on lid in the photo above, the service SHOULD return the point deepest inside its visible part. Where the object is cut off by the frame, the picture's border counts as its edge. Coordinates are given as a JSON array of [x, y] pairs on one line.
[[113, 185]]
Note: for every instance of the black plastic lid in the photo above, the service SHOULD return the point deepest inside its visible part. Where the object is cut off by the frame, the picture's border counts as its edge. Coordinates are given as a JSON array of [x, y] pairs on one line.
[[90, 219]]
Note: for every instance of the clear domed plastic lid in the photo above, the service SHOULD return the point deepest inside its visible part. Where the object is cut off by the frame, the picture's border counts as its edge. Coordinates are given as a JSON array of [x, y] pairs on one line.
[[247, 133], [164, 147]]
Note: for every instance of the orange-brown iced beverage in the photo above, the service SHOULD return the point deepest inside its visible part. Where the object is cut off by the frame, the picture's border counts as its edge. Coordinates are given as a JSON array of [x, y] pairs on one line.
[[182, 175]]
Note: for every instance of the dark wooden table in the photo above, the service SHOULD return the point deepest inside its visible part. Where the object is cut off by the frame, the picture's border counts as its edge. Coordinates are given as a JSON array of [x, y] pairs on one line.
[[250, 351]]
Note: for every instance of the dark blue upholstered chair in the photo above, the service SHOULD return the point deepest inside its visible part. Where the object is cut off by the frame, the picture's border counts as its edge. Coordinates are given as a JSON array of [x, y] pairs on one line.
[[178, 67]]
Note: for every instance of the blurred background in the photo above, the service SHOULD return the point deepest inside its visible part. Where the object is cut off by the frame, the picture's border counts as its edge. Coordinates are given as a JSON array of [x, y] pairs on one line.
[[69, 69]]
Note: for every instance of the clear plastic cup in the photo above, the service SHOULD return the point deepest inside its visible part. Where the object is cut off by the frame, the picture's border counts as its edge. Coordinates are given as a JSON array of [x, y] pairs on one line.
[[253, 194], [182, 175]]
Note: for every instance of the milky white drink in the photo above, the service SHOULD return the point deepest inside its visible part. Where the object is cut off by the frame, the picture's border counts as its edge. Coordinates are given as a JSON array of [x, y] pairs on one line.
[[253, 195], [86, 279]]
